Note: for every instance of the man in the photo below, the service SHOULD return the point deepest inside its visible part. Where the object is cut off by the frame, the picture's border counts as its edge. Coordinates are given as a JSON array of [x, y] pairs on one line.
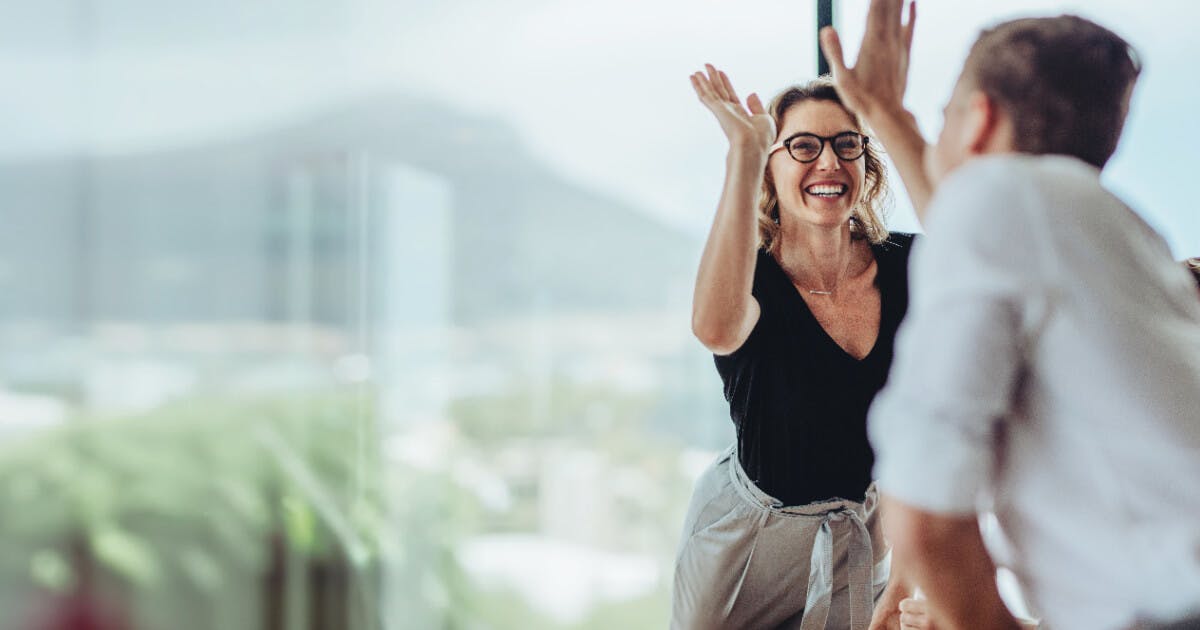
[[1049, 368]]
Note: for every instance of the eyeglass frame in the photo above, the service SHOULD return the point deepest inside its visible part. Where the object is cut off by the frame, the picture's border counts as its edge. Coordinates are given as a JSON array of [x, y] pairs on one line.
[[783, 144]]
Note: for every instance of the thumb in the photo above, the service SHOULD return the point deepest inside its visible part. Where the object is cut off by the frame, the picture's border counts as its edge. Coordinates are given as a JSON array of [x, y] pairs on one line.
[[755, 104], [832, 45]]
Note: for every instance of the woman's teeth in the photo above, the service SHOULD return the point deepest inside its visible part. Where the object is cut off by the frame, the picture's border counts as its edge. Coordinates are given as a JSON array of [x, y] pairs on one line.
[[824, 190]]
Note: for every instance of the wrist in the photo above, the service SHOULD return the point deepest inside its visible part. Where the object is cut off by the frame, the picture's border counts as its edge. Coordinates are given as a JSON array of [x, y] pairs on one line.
[[893, 116], [893, 594], [899, 587], [747, 154]]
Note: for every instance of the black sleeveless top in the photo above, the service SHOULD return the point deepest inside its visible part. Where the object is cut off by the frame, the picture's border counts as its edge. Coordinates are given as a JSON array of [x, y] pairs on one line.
[[799, 402]]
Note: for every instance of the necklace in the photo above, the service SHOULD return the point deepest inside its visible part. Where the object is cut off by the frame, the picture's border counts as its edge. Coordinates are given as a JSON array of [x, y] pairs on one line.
[[826, 292]]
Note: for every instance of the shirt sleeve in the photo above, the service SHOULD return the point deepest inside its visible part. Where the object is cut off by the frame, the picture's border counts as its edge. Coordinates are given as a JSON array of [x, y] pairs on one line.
[[959, 352]]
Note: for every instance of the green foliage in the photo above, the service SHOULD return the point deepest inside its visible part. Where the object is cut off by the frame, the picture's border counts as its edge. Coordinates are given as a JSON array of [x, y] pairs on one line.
[[562, 409], [185, 499], [185, 504]]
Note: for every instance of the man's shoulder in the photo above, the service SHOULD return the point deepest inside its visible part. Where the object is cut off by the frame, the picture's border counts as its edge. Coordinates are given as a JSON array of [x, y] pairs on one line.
[[977, 194], [997, 189], [1024, 171]]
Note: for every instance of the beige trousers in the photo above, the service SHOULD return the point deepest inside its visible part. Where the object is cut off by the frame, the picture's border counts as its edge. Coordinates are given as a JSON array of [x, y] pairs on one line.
[[745, 561]]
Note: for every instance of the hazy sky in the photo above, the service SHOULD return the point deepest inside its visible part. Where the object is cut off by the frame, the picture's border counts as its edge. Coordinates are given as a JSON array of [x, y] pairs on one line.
[[597, 87], [614, 73]]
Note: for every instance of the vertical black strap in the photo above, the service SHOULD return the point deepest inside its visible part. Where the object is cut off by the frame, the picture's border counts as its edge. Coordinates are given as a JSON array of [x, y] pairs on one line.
[[824, 18]]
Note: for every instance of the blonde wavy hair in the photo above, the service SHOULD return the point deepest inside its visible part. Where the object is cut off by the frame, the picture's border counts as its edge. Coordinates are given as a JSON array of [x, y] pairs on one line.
[[867, 220]]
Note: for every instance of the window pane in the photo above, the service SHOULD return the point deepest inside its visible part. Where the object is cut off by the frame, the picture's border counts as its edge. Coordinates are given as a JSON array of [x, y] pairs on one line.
[[375, 314]]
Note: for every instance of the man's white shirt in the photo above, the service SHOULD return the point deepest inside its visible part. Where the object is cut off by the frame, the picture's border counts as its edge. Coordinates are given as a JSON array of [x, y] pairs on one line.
[[1049, 370]]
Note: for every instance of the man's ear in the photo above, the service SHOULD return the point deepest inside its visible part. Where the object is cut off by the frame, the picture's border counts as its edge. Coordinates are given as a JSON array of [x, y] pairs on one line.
[[987, 128]]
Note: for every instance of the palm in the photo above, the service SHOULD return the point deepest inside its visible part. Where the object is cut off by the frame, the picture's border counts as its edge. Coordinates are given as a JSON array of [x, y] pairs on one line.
[[736, 120], [747, 124]]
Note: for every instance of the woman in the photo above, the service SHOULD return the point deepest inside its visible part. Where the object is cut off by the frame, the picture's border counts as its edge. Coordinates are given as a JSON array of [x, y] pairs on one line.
[[799, 294]]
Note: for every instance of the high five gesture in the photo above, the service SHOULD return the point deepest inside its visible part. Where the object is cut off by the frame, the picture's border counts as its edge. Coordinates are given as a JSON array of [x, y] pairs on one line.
[[749, 126]]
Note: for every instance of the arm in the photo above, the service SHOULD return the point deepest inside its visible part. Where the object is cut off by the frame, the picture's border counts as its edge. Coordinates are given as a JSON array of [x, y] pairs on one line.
[[875, 87], [900, 607], [723, 310], [915, 614], [938, 423], [945, 554]]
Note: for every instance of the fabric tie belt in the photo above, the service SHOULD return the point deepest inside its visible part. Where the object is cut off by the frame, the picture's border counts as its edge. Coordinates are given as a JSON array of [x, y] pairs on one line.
[[820, 575], [834, 515]]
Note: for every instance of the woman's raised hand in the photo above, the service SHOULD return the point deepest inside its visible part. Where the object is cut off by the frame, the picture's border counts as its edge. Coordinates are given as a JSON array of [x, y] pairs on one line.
[[746, 127]]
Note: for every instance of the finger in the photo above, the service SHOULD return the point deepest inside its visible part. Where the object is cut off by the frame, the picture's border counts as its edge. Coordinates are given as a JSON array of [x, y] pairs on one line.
[[714, 79], [886, 23], [911, 26], [913, 606], [876, 13], [832, 45], [730, 96], [894, 13], [710, 91], [714, 101], [700, 84], [728, 86], [755, 104], [708, 96], [881, 16]]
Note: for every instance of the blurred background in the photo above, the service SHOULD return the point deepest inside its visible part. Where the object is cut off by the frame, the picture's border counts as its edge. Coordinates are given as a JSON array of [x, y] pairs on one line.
[[374, 314]]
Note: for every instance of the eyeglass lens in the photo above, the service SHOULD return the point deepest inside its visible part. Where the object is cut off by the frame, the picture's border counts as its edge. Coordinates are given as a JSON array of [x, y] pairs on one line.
[[806, 147]]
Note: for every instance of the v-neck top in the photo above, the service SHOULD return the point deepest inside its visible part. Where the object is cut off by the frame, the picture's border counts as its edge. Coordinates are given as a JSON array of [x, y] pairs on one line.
[[798, 400]]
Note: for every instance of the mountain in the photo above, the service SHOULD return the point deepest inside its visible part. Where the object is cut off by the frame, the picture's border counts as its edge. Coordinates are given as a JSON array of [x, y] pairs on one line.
[[305, 220]]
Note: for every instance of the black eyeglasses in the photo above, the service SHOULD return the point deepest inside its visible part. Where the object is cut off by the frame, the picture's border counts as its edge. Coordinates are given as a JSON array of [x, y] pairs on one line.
[[807, 147]]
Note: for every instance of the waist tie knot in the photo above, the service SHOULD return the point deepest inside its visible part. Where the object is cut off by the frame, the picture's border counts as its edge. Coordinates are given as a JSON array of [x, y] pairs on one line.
[[820, 575]]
